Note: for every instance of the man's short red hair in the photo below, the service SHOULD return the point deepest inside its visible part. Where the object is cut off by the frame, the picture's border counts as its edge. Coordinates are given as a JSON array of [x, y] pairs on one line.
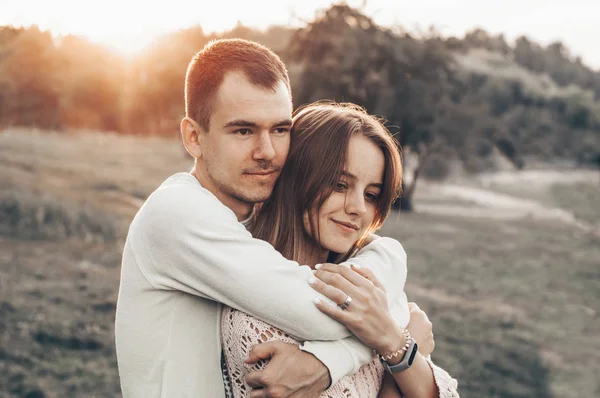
[[209, 66]]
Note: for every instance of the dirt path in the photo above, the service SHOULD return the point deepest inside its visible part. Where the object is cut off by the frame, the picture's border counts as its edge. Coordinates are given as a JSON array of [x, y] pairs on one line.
[[476, 200]]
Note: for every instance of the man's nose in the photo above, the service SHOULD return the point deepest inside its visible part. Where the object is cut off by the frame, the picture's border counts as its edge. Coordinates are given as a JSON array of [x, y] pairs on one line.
[[264, 149]]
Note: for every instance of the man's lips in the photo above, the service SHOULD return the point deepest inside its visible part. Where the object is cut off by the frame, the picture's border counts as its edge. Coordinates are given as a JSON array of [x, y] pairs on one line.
[[346, 224], [262, 173]]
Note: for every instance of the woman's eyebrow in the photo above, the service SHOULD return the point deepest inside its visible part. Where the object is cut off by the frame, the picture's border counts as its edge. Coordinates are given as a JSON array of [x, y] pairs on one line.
[[353, 177], [349, 175]]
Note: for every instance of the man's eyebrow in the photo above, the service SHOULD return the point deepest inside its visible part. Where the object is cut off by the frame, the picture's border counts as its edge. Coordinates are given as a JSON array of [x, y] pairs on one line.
[[353, 177], [240, 123], [286, 122], [246, 123]]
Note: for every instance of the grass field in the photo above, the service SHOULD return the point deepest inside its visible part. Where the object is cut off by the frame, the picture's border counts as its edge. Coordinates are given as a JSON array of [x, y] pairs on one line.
[[514, 302]]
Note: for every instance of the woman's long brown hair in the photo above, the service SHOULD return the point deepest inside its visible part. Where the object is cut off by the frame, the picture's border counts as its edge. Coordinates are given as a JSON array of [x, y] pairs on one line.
[[320, 136]]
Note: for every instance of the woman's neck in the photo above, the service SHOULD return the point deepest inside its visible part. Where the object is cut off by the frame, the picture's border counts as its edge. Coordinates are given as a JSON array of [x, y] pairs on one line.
[[312, 255]]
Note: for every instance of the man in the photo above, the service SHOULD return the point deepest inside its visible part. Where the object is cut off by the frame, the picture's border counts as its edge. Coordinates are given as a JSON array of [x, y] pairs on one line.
[[188, 251]]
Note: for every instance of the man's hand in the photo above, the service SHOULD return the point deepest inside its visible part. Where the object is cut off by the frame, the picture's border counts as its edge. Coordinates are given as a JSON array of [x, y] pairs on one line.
[[290, 373], [421, 329]]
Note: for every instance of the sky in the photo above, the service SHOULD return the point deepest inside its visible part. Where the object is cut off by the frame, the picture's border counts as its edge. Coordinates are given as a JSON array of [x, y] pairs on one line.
[[131, 25]]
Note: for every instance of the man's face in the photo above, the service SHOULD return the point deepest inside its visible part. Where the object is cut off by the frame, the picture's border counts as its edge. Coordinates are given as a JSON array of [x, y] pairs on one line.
[[247, 144]]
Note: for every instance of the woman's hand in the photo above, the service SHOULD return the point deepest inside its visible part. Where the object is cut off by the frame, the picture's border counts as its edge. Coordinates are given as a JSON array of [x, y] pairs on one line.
[[367, 316]]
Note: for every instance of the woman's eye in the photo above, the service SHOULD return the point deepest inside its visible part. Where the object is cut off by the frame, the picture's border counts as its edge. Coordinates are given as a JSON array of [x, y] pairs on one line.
[[372, 197], [340, 186]]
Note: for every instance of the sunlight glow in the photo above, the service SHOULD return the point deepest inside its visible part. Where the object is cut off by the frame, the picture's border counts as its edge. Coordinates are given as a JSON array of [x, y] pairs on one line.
[[130, 25]]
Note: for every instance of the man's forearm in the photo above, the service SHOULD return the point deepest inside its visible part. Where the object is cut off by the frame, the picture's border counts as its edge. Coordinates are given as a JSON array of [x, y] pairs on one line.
[[186, 241], [341, 358]]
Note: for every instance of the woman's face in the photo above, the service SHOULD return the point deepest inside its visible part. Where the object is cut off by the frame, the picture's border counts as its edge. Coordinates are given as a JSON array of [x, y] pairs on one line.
[[350, 209]]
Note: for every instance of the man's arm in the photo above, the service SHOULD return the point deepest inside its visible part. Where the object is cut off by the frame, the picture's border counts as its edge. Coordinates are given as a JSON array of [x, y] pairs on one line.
[[185, 240], [301, 374]]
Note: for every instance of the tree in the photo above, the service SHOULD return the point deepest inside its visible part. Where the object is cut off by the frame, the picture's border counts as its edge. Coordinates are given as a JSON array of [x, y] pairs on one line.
[[29, 76], [343, 55]]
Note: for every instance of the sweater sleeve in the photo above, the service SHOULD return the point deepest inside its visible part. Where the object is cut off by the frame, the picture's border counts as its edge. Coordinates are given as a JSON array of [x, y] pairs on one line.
[[447, 385], [185, 240], [387, 259]]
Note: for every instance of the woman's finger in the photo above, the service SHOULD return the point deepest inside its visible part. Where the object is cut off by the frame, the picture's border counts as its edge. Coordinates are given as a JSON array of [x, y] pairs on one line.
[[334, 312], [336, 280], [346, 272], [368, 274], [331, 292]]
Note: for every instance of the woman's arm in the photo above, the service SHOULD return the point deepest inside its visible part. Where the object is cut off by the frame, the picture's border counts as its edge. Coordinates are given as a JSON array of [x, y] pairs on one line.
[[389, 388], [387, 259], [416, 381], [369, 319]]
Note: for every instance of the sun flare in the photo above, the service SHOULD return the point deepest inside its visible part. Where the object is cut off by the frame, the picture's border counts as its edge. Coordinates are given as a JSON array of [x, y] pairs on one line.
[[129, 27]]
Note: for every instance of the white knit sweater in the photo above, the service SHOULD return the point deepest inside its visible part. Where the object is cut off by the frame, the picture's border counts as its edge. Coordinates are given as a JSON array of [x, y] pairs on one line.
[[241, 332]]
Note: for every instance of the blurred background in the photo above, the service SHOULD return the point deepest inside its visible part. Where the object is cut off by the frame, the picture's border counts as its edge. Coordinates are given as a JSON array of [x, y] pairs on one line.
[[496, 106]]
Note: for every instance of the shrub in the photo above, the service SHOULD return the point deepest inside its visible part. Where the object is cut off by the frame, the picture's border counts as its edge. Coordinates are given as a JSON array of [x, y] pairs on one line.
[[30, 216]]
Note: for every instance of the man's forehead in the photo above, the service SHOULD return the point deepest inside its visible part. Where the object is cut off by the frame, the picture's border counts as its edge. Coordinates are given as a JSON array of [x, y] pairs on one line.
[[238, 98]]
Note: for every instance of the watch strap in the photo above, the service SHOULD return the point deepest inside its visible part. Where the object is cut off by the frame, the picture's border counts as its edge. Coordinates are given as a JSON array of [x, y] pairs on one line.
[[407, 359]]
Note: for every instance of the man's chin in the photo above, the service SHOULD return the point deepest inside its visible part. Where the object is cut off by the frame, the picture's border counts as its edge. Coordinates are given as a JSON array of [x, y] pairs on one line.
[[254, 197]]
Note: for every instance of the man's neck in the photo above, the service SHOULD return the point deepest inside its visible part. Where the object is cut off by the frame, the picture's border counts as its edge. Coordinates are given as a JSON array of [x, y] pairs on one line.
[[241, 209]]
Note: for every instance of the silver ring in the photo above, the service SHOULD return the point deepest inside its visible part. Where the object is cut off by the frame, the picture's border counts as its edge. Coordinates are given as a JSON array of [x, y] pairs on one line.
[[346, 303]]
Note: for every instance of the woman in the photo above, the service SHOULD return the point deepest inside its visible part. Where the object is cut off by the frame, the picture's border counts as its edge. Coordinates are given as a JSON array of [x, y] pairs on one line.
[[342, 174]]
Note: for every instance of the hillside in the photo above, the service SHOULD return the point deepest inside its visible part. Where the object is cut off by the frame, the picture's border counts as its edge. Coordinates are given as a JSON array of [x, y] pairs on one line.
[[514, 300]]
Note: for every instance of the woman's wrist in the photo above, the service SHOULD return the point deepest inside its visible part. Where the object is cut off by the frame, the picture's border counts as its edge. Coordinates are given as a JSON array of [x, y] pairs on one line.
[[393, 342]]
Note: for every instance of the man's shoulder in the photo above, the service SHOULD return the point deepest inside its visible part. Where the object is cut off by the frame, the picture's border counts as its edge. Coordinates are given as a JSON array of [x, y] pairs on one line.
[[181, 198], [180, 181], [180, 189]]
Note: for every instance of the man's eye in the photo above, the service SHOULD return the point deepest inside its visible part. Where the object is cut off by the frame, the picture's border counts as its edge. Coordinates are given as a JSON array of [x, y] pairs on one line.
[[282, 130], [244, 131]]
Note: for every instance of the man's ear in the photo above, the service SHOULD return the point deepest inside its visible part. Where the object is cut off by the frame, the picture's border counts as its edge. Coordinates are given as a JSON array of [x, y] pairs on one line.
[[190, 132]]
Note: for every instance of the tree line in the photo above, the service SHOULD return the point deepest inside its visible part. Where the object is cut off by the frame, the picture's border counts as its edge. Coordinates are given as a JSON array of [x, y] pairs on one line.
[[445, 98]]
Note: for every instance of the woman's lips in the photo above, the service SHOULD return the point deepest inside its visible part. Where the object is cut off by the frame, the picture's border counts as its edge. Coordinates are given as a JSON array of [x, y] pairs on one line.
[[345, 226]]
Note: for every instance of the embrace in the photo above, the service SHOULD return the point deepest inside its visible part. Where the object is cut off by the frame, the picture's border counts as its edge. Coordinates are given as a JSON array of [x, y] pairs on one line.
[[258, 273]]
